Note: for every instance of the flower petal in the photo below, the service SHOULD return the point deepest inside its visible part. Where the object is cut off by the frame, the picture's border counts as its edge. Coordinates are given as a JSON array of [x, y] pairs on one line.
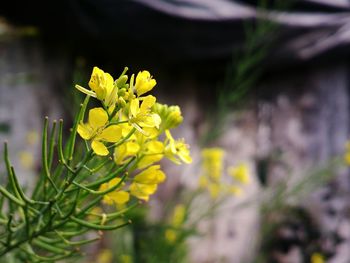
[[99, 148], [152, 175], [95, 83], [148, 160], [97, 117], [85, 131], [147, 103], [142, 191], [119, 197], [111, 134], [134, 107]]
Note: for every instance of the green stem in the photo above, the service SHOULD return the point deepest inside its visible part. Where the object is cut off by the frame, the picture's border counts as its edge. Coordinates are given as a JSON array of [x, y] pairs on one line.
[[73, 135], [97, 227], [45, 156], [52, 144], [104, 191], [20, 191], [124, 139], [11, 197], [60, 147]]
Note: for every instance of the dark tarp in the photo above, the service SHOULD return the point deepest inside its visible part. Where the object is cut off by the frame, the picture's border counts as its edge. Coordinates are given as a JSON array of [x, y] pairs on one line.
[[185, 30]]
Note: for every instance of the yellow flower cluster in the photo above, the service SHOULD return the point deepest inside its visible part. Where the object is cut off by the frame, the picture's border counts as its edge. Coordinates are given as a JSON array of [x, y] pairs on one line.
[[213, 169], [133, 128]]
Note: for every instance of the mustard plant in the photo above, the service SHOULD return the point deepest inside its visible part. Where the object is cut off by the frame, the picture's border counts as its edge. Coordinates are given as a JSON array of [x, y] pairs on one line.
[[90, 190]]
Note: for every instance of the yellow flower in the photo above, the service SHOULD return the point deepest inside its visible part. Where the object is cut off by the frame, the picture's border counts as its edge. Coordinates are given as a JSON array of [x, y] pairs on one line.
[[152, 175], [347, 158], [141, 115], [97, 130], [152, 152], [26, 159], [347, 153], [144, 82], [212, 163], [177, 219], [117, 197], [176, 151], [105, 256], [170, 235], [102, 86], [143, 191], [317, 258], [125, 258], [123, 152], [179, 215], [146, 182], [240, 173]]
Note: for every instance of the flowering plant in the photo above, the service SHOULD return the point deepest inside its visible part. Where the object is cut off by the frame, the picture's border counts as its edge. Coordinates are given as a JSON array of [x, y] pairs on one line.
[[124, 139]]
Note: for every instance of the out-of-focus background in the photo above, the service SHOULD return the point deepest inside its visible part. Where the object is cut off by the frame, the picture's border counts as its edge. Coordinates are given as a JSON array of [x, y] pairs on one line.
[[267, 81]]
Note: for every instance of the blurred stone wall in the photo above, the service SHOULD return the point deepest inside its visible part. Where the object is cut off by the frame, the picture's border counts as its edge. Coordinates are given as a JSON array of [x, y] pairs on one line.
[[29, 90], [294, 122]]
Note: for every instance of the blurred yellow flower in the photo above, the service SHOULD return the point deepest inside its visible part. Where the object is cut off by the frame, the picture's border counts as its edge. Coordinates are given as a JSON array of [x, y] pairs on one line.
[[179, 215], [170, 235], [240, 173], [125, 258], [212, 163], [317, 258], [347, 153], [177, 220], [26, 159], [104, 256], [97, 130]]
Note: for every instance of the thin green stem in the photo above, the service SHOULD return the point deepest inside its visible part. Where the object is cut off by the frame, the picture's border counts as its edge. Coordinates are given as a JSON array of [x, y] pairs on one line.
[[104, 191], [11, 197], [124, 139], [97, 227], [52, 144], [45, 156], [73, 135]]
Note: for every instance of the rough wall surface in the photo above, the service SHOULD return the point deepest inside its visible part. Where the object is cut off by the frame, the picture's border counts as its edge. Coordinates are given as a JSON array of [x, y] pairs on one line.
[[297, 122]]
